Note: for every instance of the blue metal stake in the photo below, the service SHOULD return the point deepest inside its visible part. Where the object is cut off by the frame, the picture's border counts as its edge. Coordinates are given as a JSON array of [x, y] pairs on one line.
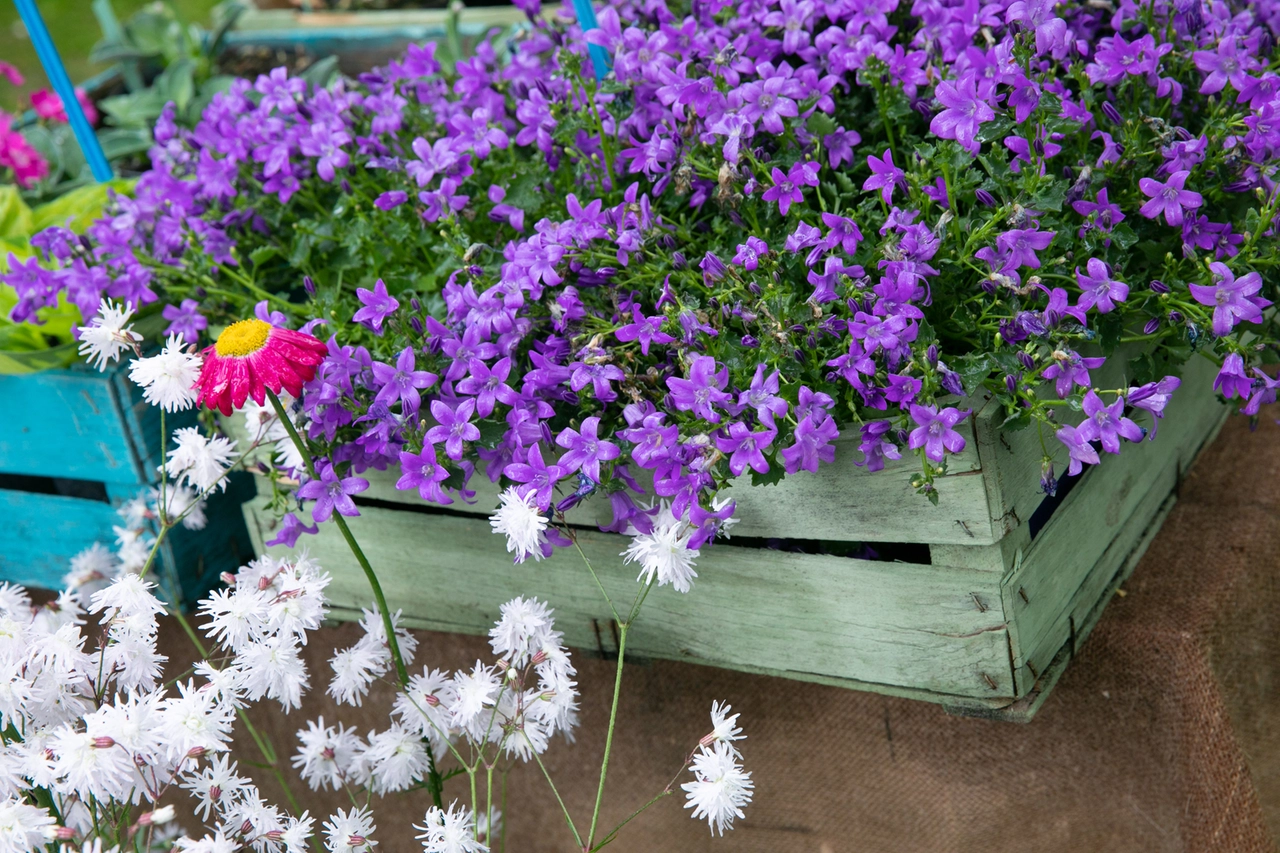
[[57, 74], [587, 20]]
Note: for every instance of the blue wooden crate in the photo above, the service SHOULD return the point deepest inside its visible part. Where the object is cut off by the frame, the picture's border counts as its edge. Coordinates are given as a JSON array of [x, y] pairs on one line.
[[74, 445]]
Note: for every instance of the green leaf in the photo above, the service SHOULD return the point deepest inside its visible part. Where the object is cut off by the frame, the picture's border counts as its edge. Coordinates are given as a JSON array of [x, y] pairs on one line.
[[262, 254], [821, 124], [974, 370], [771, 477], [1050, 197], [16, 219], [120, 142], [1124, 236], [320, 74]]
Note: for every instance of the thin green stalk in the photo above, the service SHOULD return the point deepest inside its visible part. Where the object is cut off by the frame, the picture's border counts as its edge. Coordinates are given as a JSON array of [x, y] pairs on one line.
[[613, 833], [565, 811], [613, 720], [434, 782], [608, 600]]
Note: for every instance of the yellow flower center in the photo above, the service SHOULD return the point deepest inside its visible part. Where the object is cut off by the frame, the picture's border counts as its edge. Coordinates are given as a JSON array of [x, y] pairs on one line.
[[243, 338]]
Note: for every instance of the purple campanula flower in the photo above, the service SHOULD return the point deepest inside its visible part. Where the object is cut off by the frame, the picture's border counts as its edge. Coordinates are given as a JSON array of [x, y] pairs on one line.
[[1105, 215], [876, 447], [762, 396], [593, 370], [843, 232], [812, 445], [646, 330], [840, 146], [331, 492], [489, 384], [402, 382], [290, 529], [885, 176], [813, 404], [902, 390], [279, 91], [1264, 394], [652, 439], [703, 389], [463, 351], [712, 268], [586, 450], [1107, 424], [1077, 444], [767, 102], [708, 523], [750, 252], [186, 320], [325, 144], [390, 199], [378, 305], [1226, 65], [935, 431], [539, 477], [453, 426], [1231, 380], [1153, 397], [263, 312], [1168, 198], [1019, 246], [1233, 299], [1099, 289], [421, 471], [786, 189], [964, 111], [1070, 370], [746, 447], [887, 333]]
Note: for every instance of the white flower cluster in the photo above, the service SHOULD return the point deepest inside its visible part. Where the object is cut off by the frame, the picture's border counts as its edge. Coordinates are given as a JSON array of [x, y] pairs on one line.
[[664, 551], [720, 787], [108, 334], [168, 380], [263, 427]]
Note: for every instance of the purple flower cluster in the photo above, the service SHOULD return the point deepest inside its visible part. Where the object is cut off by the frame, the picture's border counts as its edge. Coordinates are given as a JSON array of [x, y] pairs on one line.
[[700, 270]]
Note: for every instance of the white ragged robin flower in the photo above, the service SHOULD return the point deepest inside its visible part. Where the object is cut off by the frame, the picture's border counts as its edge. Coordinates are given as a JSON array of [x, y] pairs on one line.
[[168, 379], [451, 830], [396, 759], [664, 552], [108, 334], [720, 787], [349, 831], [327, 754], [181, 502], [519, 520], [724, 727], [24, 827], [524, 626], [199, 461]]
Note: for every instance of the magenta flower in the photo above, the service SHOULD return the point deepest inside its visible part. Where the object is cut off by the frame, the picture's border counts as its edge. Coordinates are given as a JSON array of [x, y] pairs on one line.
[[378, 305], [453, 426], [1232, 299], [1077, 444], [766, 102], [421, 471], [646, 330], [402, 382], [1169, 198], [586, 449], [746, 447], [703, 389], [963, 114], [331, 492], [936, 431], [1099, 289], [884, 176], [1107, 424], [1231, 379], [1226, 65]]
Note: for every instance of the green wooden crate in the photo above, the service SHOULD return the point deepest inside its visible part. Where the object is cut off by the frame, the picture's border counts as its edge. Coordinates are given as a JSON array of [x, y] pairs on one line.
[[984, 625]]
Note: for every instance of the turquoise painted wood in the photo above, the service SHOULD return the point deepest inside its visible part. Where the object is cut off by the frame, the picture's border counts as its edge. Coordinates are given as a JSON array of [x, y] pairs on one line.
[[986, 626], [92, 442]]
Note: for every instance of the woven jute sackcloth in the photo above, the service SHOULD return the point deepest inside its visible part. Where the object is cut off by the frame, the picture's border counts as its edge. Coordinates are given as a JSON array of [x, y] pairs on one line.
[[1163, 735]]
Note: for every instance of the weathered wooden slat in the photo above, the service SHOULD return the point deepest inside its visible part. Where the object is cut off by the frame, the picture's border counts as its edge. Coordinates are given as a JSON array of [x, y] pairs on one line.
[[1099, 514], [43, 532], [803, 616]]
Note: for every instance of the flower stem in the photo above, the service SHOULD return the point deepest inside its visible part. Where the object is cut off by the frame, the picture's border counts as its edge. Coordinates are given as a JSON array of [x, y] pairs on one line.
[[554, 790], [434, 782], [613, 720]]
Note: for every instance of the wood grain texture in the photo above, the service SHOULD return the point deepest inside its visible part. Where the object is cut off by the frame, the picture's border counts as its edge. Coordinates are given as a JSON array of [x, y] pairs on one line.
[[898, 625]]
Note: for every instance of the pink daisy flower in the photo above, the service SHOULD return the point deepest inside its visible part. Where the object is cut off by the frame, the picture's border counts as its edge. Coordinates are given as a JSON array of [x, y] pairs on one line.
[[251, 356]]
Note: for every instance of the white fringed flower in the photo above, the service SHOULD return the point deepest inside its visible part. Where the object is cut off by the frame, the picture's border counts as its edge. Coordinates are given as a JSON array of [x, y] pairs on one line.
[[168, 379], [24, 827], [720, 789], [108, 334], [326, 754], [519, 520], [664, 553], [449, 830], [520, 632], [182, 502], [724, 728], [396, 759], [349, 831], [198, 461]]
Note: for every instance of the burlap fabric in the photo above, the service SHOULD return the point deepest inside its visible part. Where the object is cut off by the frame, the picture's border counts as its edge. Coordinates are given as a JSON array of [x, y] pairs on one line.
[[1164, 734]]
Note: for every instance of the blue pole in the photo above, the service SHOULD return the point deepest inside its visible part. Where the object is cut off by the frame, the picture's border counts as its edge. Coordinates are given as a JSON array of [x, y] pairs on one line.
[[57, 74], [587, 20]]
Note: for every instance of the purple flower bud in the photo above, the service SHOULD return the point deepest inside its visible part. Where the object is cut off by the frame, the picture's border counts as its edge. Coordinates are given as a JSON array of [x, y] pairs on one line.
[[199, 292], [1152, 326], [1159, 286], [754, 288], [1012, 332], [308, 285], [902, 436], [346, 186], [1048, 482], [853, 305], [1183, 134], [416, 323], [750, 342], [985, 198], [1011, 383], [1175, 317], [950, 381], [922, 106], [415, 304], [931, 355], [678, 260], [988, 286], [811, 341], [1109, 110], [1027, 361], [1038, 145], [799, 356]]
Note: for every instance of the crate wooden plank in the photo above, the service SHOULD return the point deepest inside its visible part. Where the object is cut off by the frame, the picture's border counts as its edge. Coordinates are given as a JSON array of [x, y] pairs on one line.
[[43, 532], [1099, 515], [66, 423], [802, 616]]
